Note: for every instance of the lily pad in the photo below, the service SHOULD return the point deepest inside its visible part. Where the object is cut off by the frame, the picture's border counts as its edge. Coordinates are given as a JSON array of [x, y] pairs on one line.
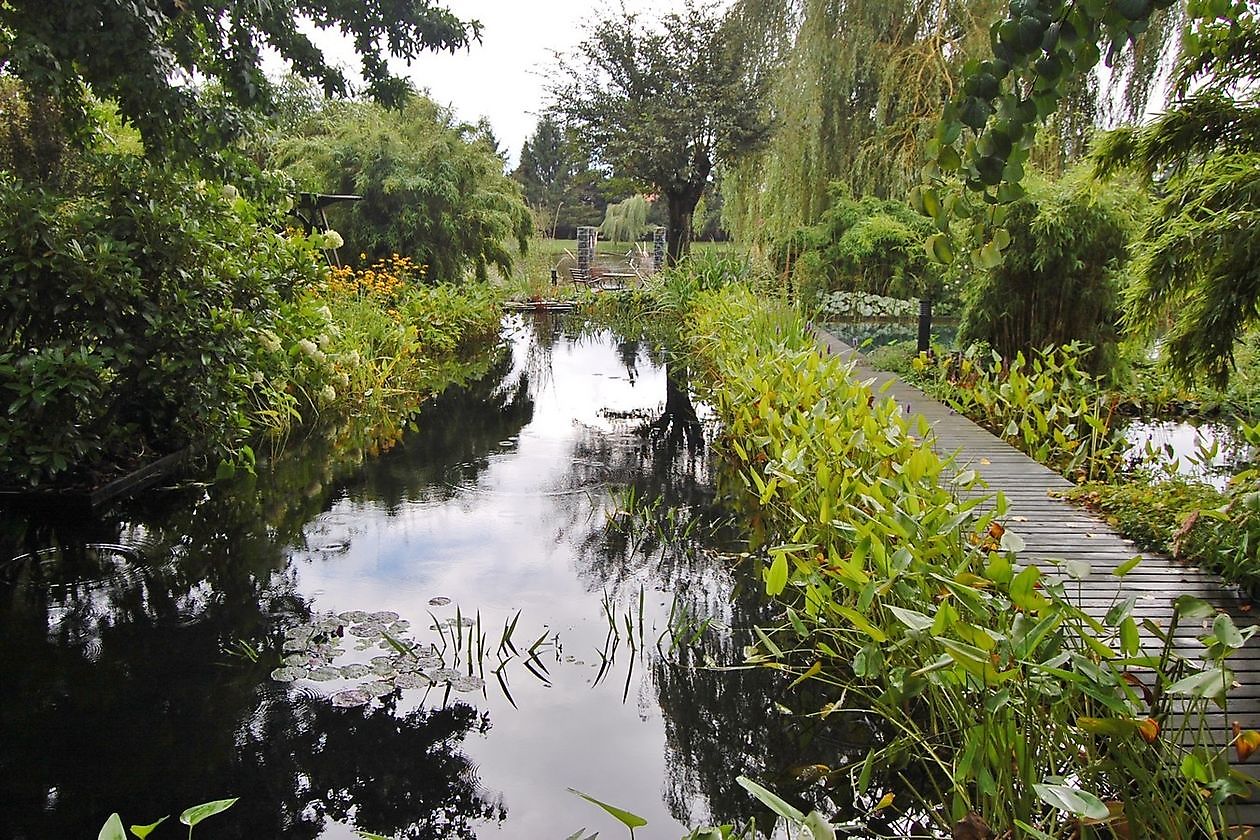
[[384, 616], [354, 616], [365, 631], [412, 681], [297, 660], [325, 673], [350, 698], [467, 682], [439, 601], [355, 670], [385, 669], [288, 674], [445, 675], [377, 689]]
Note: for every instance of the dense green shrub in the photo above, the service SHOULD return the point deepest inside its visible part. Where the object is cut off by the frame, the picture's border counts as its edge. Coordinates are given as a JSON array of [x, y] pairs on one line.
[[432, 188], [130, 316], [1059, 282], [866, 244]]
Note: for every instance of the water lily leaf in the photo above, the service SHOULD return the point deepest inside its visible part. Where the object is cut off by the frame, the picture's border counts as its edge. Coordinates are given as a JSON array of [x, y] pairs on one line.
[[1079, 803], [771, 800], [113, 829], [629, 820], [350, 698], [288, 674], [143, 831], [197, 813]]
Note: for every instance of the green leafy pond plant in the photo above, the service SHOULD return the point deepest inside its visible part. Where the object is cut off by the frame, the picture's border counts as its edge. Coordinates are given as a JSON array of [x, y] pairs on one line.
[[191, 817], [1031, 715], [1047, 405]]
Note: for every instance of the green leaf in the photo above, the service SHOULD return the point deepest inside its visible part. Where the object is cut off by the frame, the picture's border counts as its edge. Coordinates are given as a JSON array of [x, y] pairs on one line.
[[939, 249], [777, 575], [197, 813], [113, 829], [1127, 566], [860, 622], [912, 619], [1226, 631], [1077, 569], [1188, 606], [629, 820], [143, 831], [819, 826], [771, 800], [1208, 684], [1079, 803]]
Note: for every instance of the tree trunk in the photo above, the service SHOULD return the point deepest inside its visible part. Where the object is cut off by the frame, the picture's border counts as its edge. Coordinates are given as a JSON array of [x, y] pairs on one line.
[[678, 236], [679, 421]]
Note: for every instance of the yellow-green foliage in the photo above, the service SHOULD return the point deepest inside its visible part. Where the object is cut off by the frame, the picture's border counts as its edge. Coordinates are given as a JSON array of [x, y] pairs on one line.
[[911, 604]]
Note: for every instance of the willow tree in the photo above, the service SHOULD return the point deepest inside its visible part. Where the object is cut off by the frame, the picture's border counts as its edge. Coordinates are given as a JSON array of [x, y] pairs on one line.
[[857, 95], [854, 95], [662, 104]]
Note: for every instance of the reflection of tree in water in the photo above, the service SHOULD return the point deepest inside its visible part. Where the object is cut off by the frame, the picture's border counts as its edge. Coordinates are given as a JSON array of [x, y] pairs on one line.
[[125, 702], [122, 699]]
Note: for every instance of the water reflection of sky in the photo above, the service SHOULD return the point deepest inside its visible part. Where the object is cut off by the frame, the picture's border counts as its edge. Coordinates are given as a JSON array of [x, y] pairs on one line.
[[136, 698], [513, 540]]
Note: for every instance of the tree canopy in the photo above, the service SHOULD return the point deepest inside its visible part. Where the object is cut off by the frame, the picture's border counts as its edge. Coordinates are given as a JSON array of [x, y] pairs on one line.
[[147, 55], [662, 104], [1197, 269], [432, 188]]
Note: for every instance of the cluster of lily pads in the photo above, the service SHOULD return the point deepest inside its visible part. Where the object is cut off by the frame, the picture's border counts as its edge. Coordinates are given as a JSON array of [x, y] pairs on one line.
[[865, 305], [311, 651]]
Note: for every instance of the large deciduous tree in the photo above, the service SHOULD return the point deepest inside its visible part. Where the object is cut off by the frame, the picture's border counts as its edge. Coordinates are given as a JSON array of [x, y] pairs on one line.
[[146, 53], [662, 104]]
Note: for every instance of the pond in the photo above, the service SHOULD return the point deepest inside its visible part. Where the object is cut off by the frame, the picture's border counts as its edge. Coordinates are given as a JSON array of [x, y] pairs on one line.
[[581, 571], [1198, 451]]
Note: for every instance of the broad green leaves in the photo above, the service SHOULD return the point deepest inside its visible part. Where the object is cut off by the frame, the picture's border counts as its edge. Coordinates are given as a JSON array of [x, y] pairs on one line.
[[1078, 803]]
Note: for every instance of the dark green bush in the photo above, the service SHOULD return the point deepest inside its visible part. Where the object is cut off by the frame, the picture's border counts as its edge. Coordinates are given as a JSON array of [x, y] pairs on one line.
[[866, 244], [131, 314], [1059, 281]]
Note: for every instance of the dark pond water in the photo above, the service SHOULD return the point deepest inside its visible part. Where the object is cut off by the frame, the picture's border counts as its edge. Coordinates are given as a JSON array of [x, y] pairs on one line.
[[137, 647]]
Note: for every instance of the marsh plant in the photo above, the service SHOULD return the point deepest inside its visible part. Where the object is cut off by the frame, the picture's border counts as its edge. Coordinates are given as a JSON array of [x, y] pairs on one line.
[[1045, 404], [457, 661], [1031, 714]]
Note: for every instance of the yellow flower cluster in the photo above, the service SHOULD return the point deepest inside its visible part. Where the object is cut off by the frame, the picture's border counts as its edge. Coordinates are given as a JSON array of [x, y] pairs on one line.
[[383, 279]]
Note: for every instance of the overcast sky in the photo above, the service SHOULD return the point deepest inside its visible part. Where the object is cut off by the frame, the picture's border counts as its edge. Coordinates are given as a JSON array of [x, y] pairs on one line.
[[501, 78]]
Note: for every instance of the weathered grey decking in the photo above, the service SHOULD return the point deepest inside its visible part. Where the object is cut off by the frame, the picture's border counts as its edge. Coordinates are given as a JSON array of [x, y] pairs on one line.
[[1054, 529]]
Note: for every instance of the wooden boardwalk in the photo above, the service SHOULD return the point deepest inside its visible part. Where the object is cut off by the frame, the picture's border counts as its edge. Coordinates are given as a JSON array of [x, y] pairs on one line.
[[1053, 529]]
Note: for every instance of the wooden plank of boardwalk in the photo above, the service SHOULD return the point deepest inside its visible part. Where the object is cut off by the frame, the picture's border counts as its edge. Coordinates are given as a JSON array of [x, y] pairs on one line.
[[1053, 529]]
